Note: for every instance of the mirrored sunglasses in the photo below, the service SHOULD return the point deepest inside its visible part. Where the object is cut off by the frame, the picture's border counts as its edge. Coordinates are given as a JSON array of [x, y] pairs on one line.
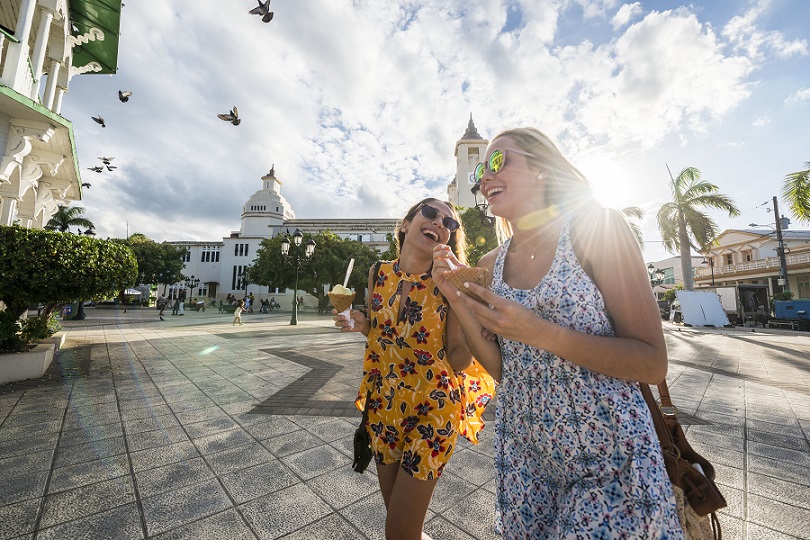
[[428, 212], [495, 163]]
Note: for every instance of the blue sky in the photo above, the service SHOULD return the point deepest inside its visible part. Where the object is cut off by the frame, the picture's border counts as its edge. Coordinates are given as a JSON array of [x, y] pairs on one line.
[[359, 104]]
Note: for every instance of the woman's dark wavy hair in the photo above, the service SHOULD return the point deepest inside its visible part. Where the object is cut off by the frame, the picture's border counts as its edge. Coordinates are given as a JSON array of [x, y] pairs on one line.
[[457, 241]]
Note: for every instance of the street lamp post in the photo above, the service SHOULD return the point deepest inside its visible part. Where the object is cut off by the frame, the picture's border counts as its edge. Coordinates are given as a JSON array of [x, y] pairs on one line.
[[780, 249], [190, 284], [656, 275], [308, 252], [482, 207], [710, 262]]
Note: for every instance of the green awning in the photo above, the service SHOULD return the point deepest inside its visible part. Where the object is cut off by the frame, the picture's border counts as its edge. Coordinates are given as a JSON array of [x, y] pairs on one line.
[[95, 24]]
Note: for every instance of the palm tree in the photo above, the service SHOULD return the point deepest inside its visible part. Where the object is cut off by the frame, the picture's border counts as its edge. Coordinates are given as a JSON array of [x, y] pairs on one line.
[[680, 220], [796, 192], [630, 213], [65, 217]]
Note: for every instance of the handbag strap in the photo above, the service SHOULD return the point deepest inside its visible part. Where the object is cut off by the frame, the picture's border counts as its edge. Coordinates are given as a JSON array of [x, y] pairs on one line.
[[664, 434]]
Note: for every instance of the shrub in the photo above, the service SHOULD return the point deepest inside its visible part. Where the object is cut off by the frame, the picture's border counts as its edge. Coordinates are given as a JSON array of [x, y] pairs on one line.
[[45, 267]]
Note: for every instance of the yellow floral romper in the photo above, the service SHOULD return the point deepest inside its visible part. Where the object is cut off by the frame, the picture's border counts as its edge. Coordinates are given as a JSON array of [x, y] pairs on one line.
[[418, 404]]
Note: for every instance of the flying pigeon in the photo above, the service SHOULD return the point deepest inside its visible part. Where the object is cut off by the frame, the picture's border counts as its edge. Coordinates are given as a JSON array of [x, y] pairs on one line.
[[264, 10], [97, 168], [232, 117], [85, 184], [99, 120], [111, 167], [106, 160], [123, 95]]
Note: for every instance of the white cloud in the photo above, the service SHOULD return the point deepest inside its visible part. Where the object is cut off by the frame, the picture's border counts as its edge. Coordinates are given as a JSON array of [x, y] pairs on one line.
[[802, 94], [359, 104], [626, 13], [762, 121], [743, 34]]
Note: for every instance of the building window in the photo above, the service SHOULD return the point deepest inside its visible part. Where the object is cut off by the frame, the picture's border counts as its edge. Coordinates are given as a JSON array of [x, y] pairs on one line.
[[235, 250], [216, 255], [747, 256], [804, 286], [187, 256], [729, 259]]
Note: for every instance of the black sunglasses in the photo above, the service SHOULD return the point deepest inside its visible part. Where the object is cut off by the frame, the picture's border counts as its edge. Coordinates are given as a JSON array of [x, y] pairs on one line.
[[428, 212]]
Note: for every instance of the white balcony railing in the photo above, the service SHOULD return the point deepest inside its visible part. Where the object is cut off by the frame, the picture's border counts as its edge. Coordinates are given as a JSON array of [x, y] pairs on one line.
[[760, 264]]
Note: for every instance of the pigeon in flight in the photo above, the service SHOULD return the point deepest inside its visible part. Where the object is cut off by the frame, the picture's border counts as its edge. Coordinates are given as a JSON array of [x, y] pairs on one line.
[[86, 184], [123, 95], [99, 120], [97, 168], [232, 117], [111, 167], [264, 10], [106, 160]]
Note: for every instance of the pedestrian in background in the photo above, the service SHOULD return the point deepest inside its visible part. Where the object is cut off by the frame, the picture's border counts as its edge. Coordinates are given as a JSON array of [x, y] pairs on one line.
[[176, 306], [161, 305], [237, 313]]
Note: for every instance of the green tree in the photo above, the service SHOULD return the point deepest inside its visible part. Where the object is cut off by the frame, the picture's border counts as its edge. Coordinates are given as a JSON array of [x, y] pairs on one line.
[[66, 217], [481, 238], [670, 295], [54, 268], [157, 263], [796, 191], [681, 220], [326, 268], [632, 213]]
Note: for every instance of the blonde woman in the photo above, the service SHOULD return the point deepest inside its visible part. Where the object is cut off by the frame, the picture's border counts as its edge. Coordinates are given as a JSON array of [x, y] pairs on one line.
[[576, 453]]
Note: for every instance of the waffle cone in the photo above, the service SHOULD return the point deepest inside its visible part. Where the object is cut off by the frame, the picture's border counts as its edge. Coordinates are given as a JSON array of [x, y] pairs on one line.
[[471, 274], [341, 302]]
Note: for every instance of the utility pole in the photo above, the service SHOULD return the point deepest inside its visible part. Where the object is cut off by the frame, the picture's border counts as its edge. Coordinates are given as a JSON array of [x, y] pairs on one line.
[[781, 248]]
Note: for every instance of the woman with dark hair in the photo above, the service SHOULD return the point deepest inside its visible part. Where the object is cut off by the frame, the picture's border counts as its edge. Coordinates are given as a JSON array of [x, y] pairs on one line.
[[576, 453], [423, 385]]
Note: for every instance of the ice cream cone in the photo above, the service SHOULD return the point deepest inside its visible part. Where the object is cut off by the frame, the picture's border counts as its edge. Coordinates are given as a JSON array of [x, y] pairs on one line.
[[472, 274], [341, 302]]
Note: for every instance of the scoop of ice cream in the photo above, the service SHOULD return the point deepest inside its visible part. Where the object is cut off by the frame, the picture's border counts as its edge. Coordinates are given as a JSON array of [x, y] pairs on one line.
[[340, 289]]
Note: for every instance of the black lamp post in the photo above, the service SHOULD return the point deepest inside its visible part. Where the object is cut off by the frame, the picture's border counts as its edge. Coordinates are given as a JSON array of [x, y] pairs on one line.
[[781, 250], [308, 252], [710, 262], [482, 207], [656, 275], [244, 281], [191, 283]]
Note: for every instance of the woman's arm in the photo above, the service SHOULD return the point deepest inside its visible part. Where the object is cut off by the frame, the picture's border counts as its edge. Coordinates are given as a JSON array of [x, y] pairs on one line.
[[486, 351], [637, 352]]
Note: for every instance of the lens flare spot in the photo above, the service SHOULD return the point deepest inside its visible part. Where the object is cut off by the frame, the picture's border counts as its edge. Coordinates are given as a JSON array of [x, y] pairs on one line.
[[209, 350], [480, 240]]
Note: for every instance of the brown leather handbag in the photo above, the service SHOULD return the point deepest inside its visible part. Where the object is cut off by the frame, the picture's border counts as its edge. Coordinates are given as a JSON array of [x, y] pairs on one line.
[[691, 474]]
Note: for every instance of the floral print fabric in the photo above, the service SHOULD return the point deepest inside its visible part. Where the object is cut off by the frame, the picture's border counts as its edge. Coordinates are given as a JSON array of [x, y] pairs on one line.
[[576, 453], [419, 405]]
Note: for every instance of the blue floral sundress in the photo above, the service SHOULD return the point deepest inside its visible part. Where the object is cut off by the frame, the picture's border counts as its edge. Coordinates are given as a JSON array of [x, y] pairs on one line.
[[575, 451]]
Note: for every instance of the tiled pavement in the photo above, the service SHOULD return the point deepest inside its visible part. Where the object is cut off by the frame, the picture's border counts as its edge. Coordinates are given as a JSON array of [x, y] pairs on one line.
[[193, 428]]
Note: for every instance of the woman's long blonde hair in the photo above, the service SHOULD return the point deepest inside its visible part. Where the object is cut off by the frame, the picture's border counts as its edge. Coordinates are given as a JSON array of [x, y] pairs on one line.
[[567, 189], [457, 241]]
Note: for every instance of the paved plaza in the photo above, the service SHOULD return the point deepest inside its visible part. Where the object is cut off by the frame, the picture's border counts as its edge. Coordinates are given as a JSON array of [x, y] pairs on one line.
[[196, 429]]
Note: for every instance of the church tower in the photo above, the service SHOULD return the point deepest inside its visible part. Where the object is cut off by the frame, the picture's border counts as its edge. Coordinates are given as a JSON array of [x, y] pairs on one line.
[[469, 152], [266, 210]]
